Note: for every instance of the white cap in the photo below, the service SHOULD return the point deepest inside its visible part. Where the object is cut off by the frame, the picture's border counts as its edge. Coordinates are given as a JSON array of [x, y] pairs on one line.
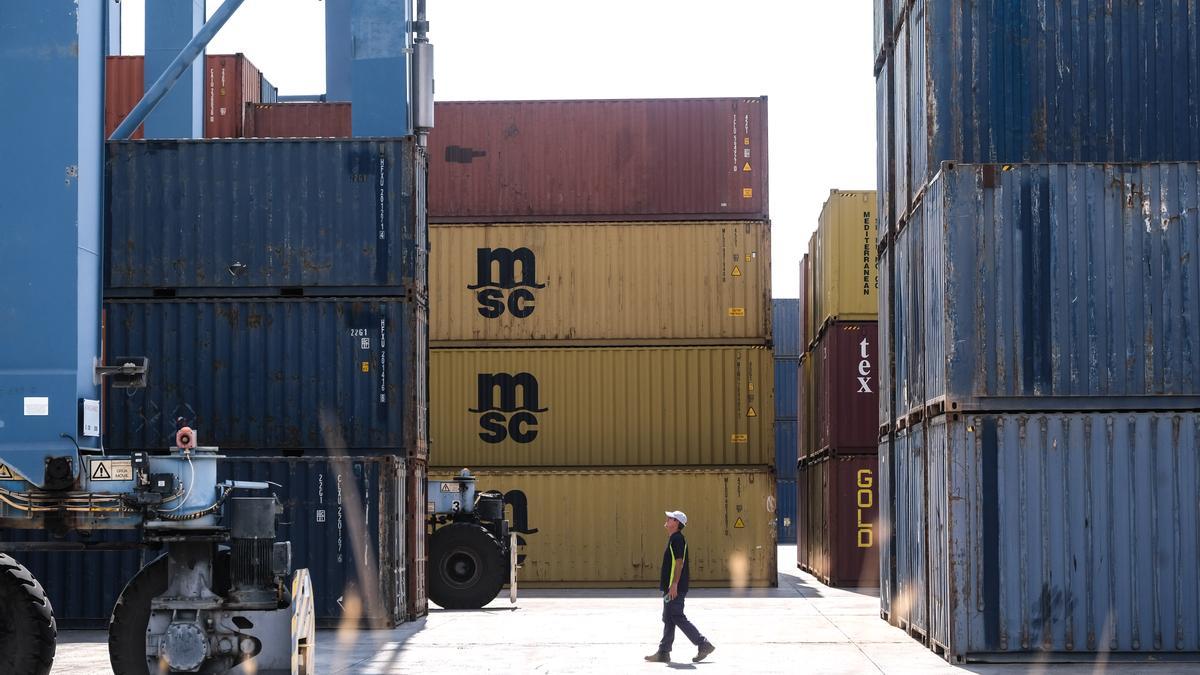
[[678, 515]]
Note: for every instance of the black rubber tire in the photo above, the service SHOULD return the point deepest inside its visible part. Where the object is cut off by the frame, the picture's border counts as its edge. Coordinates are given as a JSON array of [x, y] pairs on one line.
[[467, 567], [27, 629]]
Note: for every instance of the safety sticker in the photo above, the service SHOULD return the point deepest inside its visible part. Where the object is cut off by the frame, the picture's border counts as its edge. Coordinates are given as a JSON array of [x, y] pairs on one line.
[[111, 469], [737, 311], [366, 366], [751, 412], [739, 438], [746, 168], [739, 523], [37, 406], [6, 473], [747, 193], [737, 271], [450, 487]]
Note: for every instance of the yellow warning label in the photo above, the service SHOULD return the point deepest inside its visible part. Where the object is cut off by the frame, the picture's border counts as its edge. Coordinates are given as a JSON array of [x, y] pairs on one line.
[[366, 367], [750, 387], [747, 193], [739, 523], [751, 412], [5, 472], [111, 469], [739, 438], [737, 311], [737, 271], [745, 140], [746, 167], [748, 258]]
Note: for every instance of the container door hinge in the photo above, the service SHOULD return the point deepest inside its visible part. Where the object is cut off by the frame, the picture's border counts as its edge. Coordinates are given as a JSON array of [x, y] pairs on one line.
[[128, 372]]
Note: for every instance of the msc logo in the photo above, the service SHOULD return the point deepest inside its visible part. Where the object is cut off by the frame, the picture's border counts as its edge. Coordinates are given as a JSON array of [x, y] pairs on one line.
[[500, 416], [491, 290]]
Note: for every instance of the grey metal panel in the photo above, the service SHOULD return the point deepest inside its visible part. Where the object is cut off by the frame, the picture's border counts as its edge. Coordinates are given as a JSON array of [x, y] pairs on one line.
[[1063, 280], [884, 150], [911, 596], [259, 376], [900, 129], [1066, 533], [909, 318], [785, 325], [210, 217], [886, 366]]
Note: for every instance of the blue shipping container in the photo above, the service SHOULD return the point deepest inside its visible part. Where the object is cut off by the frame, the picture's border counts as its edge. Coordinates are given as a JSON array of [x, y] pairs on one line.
[[787, 447], [785, 324], [265, 218], [1042, 81], [273, 376], [1062, 286], [787, 383], [1055, 533], [785, 510]]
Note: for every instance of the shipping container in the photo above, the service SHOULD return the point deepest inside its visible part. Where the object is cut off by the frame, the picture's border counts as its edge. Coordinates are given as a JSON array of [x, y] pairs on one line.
[[807, 419], [322, 501], [785, 324], [298, 120], [1060, 286], [270, 93], [785, 510], [786, 447], [886, 343], [604, 527], [601, 283], [416, 535], [840, 495], [885, 530], [283, 376], [124, 82], [908, 525], [885, 149], [845, 274], [665, 159], [845, 386], [1059, 534], [906, 319], [805, 318], [265, 218], [787, 401], [601, 407], [1032, 81], [883, 30]]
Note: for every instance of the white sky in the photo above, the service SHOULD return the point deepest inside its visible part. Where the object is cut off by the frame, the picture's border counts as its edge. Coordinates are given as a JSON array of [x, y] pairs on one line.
[[813, 59]]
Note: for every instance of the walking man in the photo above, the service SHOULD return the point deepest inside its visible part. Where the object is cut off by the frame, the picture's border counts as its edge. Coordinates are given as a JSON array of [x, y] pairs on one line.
[[673, 582]]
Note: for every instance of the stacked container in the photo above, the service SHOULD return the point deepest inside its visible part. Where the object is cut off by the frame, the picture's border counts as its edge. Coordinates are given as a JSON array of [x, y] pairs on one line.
[[601, 329], [785, 318], [838, 383], [1038, 423]]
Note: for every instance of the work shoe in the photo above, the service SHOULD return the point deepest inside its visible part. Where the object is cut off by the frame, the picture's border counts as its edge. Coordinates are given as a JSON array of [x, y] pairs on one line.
[[706, 648], [659, 657]]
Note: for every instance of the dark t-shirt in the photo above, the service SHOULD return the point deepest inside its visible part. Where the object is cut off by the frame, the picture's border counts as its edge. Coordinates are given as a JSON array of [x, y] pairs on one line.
[[676, 545]]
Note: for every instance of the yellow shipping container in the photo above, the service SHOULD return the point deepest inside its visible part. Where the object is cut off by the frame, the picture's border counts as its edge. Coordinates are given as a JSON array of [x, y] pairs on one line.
[[604, 527], [843, 260], [599, 406], [587, 283]]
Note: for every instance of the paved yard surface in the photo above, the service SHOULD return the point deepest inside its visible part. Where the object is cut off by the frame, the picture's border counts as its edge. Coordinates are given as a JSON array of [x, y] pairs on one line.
[[799, 627]]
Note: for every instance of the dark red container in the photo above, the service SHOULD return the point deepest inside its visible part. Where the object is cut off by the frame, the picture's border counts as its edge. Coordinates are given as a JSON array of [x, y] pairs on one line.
[[837, 519], [660, 159], [298, 120], [846, 386], [123, 87], [415, 534]]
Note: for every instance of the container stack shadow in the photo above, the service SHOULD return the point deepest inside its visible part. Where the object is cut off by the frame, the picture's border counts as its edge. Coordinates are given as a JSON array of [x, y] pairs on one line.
[[1039, 173]]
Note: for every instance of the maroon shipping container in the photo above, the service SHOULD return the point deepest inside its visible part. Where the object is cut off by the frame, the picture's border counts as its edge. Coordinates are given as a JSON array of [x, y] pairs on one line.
[[123, 86], [837, 520], [298, 120], [415, 556], [661, 159], [805, 332], [846, 386]]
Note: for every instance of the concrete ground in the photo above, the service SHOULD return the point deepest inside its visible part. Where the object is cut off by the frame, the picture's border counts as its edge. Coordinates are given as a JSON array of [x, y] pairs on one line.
[[799, 627]]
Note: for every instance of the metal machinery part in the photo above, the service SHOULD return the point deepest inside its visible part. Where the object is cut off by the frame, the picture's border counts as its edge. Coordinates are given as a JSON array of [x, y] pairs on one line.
[[472, 547]]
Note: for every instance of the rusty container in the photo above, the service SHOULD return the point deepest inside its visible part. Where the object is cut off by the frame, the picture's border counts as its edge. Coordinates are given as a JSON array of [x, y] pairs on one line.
[[845, 387], [415, 529], [840, 501], [663, 159], [123, 86], [298, 120]]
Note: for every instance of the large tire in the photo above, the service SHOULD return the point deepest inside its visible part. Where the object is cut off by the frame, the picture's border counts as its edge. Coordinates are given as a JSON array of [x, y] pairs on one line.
[[27, 630], [467, 567]]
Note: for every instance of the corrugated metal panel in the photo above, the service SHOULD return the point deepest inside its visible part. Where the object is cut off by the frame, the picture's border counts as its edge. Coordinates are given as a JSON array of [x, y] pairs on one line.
[[845, 273], [124, 80], [808, 407], [785, 510], [787, 395], [804, 317], [887, 315], [785, 324], [258, 375], [416, 561], [898, 103], [841, 518], [669, 159], [1068, 533], [1067, 281], [1046, 81], [846, 387], [910, 600], [908, 319], [730, 531], [601, 406], [883, 25], [885, 531], [319, 497], [298, 120], [230, 84], [580, 283], [786, 446], [885, 150], [270, 93], [248, 217]]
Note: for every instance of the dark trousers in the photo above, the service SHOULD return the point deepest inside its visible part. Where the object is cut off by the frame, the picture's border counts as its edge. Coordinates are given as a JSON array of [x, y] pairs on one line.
[[672, 617]]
